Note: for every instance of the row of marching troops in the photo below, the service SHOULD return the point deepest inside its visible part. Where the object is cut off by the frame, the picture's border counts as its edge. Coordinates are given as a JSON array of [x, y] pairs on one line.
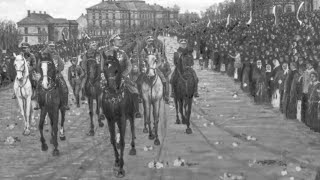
[[130, 53], [278, 64]]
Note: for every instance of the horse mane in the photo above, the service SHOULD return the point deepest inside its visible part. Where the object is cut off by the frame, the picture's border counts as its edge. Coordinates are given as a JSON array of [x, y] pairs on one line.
[[26, 68]]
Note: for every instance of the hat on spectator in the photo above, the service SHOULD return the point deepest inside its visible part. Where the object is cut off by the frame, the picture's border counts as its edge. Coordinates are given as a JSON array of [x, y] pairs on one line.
[[51, 43], [114, 37], [25, 44]]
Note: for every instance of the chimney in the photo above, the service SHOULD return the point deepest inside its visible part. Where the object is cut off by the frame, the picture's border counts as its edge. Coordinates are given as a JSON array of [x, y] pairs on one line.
[[40, 12], [45, 12], [29, 13]]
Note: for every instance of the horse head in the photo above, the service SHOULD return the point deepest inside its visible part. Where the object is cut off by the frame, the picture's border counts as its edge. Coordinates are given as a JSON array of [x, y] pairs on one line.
[[113, 75], [48, 69], [21, 67], [151, 63]]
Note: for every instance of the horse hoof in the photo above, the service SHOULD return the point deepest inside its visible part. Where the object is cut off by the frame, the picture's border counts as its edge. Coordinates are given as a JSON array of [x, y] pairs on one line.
[[63, 138], [178, 122], [151, 137], [26, 132], [102, 117], [101, 124], [120, 174], [189, 131], [55, 152], [157, 142], [33, 123], [44, 147], [90, 133], [145, 130], [133, 152]]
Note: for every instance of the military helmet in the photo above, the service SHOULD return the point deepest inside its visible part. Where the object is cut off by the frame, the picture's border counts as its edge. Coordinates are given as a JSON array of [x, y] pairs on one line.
[[149, 38]]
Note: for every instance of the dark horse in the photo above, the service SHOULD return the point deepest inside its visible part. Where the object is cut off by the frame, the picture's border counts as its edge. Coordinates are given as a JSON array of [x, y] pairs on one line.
[[50, 102], [184, 90], [117, 104], [93, 91]]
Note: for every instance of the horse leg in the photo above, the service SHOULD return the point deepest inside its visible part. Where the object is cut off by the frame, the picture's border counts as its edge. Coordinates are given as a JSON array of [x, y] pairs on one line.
[[91, 131], [188, 114], [28, 113], [98, 100], [181, 110], [133, 137], [43, 113], [33, 122], [111, 126], [148, 120], [21, 105], [62, 134], [177, 110], [156, 116], [122, 126], [54, 117], [145, 113]]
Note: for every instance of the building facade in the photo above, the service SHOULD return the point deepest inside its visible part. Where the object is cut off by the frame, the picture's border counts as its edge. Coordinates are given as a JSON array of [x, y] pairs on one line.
[[109, 17], [39, 28], [266, 6]]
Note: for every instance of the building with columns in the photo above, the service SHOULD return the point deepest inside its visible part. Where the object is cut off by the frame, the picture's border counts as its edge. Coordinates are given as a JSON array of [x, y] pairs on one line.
[[111, 16], [39, 28]]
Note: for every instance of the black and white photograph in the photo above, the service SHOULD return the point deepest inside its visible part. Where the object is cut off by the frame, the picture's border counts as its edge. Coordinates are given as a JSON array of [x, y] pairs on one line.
[[160, 89]]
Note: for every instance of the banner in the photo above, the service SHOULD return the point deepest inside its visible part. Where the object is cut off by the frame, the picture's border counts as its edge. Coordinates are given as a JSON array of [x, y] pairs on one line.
[[300, 22], [250, 20]]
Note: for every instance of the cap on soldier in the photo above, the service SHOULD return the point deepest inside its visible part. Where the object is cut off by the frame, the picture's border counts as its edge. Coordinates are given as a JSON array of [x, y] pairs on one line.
[[149, 38], [51, 43], [183, 41], [115, 36], [25, 44]]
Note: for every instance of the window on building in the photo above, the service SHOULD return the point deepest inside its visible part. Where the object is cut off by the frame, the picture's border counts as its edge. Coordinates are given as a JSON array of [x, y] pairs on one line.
[[25, 39], [26, 30], [100, 22], [39, 30], [114, 23]]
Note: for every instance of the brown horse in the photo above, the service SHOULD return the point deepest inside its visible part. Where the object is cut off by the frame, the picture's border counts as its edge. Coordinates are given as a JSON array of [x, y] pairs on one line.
[[117, 105], [50, 102], [93, 91], [151, 90], [184, 90]]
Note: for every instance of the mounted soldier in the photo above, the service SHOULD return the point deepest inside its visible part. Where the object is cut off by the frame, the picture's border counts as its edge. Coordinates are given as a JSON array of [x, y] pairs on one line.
[[75, 76], [115, 53], [183, 55], [59, 64], [155, 47]]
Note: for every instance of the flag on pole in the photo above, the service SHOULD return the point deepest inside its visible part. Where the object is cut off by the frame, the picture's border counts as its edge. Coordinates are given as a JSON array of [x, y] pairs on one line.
[[300, 22], [228, 20], [250, 20], [209, 23], [275, 15]]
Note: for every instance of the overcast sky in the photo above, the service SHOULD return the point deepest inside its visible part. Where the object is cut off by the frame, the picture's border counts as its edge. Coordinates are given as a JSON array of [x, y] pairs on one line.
[[71, 9]]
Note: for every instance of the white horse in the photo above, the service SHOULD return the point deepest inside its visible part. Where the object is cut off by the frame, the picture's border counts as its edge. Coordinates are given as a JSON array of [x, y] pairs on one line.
[[23, 91]]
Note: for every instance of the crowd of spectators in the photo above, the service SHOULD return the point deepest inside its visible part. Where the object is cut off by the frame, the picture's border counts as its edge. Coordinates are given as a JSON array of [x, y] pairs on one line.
[[276, 64]]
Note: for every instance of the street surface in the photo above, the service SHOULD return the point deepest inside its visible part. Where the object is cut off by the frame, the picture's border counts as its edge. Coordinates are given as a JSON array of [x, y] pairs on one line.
[[216, 146]]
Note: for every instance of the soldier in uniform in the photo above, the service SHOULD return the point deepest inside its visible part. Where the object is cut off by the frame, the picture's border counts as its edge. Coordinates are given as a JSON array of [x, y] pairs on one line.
[[153, 48], [126, 66], [183, 51], [75, 75], [59, 68]]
